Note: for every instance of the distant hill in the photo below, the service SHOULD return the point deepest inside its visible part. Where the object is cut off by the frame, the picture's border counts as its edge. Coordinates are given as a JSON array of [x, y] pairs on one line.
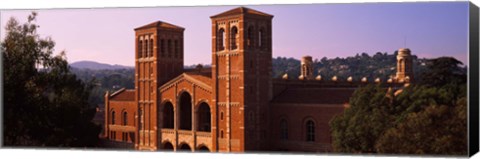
[[97, 66]]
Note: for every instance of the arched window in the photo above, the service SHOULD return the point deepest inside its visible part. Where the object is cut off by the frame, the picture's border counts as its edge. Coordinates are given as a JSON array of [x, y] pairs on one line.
[[204, 118], [221, 40], [162, 47], [140, 45], [176, 48], [113, 117], [250, 37], [125, 118], [260, 38], [310, 130], [145, 48], [233, 38], [168, 115], [221, 133], [169, 46], [185, 111], [283, 129], [150, 50]]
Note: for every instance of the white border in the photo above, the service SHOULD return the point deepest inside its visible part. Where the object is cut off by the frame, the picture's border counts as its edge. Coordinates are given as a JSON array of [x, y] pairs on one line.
[[80, 154]]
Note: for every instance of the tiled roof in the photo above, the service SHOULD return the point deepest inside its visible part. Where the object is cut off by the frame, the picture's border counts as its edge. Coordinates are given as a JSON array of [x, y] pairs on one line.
[[315, 95], [203, 76], [160, 24], [123, 95], [241, 10]]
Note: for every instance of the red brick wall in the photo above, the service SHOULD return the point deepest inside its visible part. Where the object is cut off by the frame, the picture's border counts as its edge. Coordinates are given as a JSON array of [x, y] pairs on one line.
[[296, 116]]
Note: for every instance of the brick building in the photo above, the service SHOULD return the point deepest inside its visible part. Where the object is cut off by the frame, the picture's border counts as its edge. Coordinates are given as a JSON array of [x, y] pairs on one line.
[[235, 105]]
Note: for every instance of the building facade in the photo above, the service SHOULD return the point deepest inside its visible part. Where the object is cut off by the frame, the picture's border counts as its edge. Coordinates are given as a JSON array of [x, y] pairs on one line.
[[235, 105]]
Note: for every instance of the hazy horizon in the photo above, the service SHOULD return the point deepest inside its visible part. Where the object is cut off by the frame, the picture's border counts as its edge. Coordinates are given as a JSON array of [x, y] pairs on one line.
[[106, 35]]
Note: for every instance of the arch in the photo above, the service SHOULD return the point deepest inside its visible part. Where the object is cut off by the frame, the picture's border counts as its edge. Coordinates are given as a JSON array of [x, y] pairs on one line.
[[112, 120], [233, 38], [145, 48], [168, 115], [283, 129], [250, 36], [204, 117], [221, 39], [203, 148], [167, 146], [310, 130], [261, 34], [185, 111], [169, 48], [150, 49], [184, 147], [162, 47], [140, 47], [176, 52], [124, 118]]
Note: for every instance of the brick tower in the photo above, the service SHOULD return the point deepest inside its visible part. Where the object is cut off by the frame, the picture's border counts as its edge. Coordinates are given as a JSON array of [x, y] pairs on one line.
[[404, 66], [158, 58], [241, 72]]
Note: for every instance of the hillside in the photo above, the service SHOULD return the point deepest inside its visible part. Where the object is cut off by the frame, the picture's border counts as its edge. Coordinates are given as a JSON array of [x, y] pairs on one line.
[[97, 66]]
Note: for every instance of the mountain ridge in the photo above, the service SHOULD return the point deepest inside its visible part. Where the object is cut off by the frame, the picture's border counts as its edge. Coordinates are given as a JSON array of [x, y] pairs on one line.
[[93, 65]]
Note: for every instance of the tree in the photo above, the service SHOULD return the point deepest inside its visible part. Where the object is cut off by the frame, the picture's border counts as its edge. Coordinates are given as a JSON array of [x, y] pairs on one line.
[[421, 120], [442, 71], [357, 129], [44, 104]]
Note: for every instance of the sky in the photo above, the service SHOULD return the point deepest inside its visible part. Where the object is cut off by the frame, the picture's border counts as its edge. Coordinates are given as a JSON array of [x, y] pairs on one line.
[[106, 35]]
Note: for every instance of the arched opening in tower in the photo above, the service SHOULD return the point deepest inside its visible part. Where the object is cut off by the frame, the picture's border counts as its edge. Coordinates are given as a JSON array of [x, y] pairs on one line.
[[185, 147], [233, 38], [168, 115], [203, 148], [185, 111], [168, 146], [204, 118]]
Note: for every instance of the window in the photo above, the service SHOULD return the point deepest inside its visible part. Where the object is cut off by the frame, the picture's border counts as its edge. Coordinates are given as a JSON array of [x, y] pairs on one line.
[[139, 51], [113, 117], [221, 133], [221, 40], [221, 115], [250, 37], [125, 120], [162, 47], [145, 48], [233, 38], [283, 129], [176, 48], [150, 50], [260, 38], [310, 130], [169, 45]]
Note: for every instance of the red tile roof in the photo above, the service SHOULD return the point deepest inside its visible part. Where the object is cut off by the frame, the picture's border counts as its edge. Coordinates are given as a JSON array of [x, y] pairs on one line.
[[123, 95], [160, 24], [241, 10], [315, 95], [203, 76]]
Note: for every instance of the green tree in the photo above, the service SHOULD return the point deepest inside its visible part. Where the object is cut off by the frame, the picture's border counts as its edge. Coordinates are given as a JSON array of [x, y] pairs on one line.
[[357, 129], [44, 104]]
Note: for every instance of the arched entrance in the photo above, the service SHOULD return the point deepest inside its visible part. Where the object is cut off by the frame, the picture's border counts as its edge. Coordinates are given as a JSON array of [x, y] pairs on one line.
[[204, 117], [185, 111], [168, 115], [185, 147], [203, 148], [168, 146]]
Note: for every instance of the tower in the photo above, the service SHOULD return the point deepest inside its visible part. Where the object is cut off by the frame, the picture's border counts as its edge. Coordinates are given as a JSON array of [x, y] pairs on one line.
[[404, 65], [306, 68], [158, 58], [241, 73]]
